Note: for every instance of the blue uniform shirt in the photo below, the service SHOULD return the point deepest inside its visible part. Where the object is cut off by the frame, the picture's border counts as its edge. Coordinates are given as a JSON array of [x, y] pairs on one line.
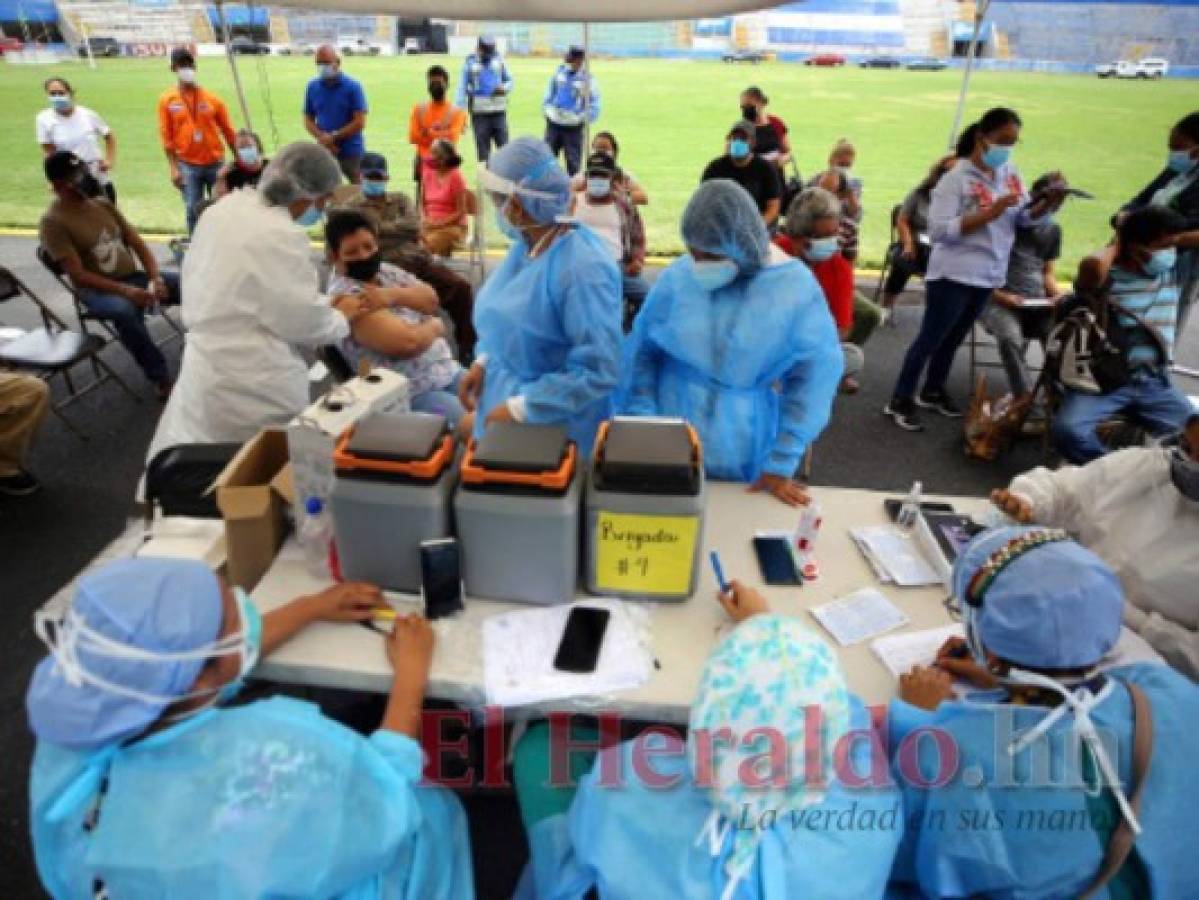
[[332, 103]]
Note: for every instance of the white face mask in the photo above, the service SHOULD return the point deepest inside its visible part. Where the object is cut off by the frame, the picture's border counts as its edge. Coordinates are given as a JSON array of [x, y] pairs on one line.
[[186, 76]]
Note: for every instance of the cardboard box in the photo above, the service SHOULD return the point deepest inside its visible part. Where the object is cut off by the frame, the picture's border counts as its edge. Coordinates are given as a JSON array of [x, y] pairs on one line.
[[252, 493]]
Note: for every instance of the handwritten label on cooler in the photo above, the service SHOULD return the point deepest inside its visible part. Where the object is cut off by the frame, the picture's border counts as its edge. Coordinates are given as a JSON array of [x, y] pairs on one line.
[[644, 554]]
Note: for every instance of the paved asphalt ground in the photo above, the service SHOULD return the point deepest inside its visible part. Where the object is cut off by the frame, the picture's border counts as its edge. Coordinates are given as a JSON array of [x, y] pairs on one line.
[[89, 486]]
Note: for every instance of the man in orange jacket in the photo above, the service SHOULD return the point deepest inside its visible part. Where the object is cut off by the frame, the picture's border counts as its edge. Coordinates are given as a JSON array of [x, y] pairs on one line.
[[192, 121], [436, 119]]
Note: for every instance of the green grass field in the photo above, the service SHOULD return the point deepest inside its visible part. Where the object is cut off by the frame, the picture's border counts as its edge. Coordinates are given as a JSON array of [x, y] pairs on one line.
[[670, 117]]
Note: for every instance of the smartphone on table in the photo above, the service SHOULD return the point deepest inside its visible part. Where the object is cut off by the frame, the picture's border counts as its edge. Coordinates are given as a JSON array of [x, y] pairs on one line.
[[441, 578], [582, 639], [775, 560]]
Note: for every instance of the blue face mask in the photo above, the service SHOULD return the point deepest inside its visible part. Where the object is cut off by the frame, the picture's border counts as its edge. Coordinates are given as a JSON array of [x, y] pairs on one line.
[[820, 249], [248, 155], [510, 231], [309, 217], [326, 71], [1160, 262], [712, 275], [251, 629], [996, 155], [60, 102], [1180, 161], [599, 188], [374, 188], [738, 148]]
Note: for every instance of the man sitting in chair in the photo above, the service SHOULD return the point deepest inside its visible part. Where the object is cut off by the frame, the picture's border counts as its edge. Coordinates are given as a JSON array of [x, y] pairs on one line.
[[1022, 310], [397, 221], [99, 251]]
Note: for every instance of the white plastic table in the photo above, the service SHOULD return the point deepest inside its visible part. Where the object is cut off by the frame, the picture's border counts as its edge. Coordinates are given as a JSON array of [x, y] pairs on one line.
[[352, 657]]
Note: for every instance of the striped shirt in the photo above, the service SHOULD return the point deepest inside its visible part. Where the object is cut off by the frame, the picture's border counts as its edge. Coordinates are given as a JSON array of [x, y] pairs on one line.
[[1155, 300]]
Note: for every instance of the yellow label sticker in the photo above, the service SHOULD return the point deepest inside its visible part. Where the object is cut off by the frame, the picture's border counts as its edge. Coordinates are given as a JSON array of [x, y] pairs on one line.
[[644, 554]]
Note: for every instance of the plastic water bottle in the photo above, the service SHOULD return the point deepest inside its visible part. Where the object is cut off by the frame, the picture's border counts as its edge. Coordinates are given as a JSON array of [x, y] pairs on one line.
[[316, 538], [910, 511]]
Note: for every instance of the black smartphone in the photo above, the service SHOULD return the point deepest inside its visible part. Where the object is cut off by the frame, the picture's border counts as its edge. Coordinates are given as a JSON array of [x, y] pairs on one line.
[[441, 578], [893, 505], [582, 639], [775, 561]]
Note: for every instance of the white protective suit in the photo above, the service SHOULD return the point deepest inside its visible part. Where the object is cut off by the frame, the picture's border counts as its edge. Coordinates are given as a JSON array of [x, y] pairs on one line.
[[1125, 508], [252, 297]]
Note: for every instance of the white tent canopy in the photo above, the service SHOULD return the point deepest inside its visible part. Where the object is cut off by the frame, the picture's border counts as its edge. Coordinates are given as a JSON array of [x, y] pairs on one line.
[[538, 10]]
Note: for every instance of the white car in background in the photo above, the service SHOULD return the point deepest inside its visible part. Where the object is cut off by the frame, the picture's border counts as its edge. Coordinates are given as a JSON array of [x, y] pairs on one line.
[[1149, 67]]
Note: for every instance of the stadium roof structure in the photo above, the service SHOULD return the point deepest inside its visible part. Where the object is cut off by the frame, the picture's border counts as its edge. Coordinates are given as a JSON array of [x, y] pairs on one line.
[[539, 10]]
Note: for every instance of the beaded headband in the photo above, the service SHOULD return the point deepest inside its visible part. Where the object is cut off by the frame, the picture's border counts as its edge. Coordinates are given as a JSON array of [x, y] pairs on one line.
[[1005, 556]]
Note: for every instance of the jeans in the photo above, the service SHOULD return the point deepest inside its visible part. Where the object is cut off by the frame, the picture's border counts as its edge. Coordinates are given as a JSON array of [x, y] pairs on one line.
[[1149, 398], [635, 289], [199, 182], [489, 128], [567, 139], [854, 359], [949, 313], [129, 321], [1012, 330], [866, 317], [442, 402]]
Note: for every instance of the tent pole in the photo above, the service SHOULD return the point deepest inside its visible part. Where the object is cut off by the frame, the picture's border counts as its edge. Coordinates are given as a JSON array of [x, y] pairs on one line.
[[587, 96], [87, 43], [980, 13], [241, 95]]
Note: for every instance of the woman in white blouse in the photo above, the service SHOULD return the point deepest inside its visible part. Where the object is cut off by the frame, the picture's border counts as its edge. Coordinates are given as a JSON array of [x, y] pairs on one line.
[[66, 125]]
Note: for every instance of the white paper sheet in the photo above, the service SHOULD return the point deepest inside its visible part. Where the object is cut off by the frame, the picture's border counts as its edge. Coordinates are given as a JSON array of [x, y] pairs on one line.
[[859, 616], [519, 649], [181, 537], [897, 553], [901, 652]]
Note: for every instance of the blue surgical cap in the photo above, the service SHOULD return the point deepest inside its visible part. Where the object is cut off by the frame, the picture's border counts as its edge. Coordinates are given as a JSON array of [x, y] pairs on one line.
[[530, 163], [723, 219], [155, 605], [1056, 606]]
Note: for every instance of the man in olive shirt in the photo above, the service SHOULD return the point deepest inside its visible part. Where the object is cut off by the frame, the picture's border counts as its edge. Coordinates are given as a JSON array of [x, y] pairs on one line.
[[100, 251], [398, 221]]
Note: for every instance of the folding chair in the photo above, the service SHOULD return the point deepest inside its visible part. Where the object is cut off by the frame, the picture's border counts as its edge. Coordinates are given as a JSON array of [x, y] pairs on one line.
[[84, 315], [473, 268], [893, 247], [54, 349]]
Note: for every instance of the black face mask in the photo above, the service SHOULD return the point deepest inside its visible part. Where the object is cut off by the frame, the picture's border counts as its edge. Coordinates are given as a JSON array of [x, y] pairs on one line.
[[365, 269], [437, 91], [749, 112]]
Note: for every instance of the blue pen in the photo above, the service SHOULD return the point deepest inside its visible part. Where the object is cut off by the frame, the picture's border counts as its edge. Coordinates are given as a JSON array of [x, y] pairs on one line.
[[719, 570]]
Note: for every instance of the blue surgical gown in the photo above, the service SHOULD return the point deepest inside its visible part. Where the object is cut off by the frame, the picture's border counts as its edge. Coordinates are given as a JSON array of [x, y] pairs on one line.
[[550, 328], [1015, 838], [754, 366], [271, 799], [640, 841]]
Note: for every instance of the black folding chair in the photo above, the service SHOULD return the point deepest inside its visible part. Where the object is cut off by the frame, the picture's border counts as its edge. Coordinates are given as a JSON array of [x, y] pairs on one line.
[[54, 350], [893, 247], [84, 315]]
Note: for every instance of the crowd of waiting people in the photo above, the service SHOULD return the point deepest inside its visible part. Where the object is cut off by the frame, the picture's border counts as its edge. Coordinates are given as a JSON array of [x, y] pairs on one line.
[[749, 335]]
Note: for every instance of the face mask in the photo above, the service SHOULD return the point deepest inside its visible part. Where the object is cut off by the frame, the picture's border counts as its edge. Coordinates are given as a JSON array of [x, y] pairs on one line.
[[820, 249], [599, 188], [248, 155], [505, 225], [1160, 262], [437, 92], [842, 170], [365, 269], [309, 217], [712, 275], [1180, 161], [326, 70], [186, 76], [374, 188], [60, 101], [996, 155], [738, 149], [67, 637], [749, 113], [1184, 472]]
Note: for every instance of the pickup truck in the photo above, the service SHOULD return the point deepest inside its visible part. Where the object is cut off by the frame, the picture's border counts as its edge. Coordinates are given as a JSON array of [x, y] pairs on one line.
[[1150, 67], [353, 45]]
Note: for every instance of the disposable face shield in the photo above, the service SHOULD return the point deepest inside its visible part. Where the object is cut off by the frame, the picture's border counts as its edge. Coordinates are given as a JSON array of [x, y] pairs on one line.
[[1078, 699], [67, 636]]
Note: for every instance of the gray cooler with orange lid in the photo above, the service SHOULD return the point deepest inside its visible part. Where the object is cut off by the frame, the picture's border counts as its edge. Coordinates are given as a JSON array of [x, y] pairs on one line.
[[644, 515], [517, 512], [393, 489]]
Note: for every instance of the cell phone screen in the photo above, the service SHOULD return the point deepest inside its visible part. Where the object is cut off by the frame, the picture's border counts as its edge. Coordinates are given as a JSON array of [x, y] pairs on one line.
[[582, 640], [775, 561], [441, 578]]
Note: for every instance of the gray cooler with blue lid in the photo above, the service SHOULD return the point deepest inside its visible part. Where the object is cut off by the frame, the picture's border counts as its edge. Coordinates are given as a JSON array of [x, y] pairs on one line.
[[517, 514], [393, 490], [644, 510]]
